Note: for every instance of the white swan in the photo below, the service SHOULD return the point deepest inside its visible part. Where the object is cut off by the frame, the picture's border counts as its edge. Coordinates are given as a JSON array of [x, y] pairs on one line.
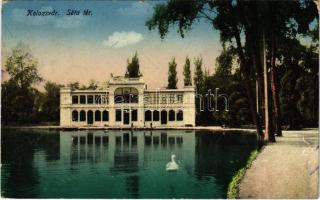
[[172, 166]]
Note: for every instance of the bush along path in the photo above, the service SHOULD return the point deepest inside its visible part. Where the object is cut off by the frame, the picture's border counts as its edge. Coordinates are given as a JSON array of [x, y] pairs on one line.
[[233, 188]]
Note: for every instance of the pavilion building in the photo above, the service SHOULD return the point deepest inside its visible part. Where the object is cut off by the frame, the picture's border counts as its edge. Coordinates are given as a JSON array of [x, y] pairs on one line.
[[127, 102]]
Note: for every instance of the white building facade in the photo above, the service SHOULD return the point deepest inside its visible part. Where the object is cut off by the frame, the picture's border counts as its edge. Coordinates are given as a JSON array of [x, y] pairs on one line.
[[125, 103]]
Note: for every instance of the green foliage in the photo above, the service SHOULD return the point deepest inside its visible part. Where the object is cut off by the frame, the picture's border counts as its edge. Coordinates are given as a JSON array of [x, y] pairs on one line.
[[18, 104], [172, 75], [241, 25], [187, 73], [21, 103], [224, 62], [227, 78], [289, 97], [198, 78], [18, 96], [22, 67], [292, 25], [233, 188], [309, 97], [51, 102], [133, 68], [199, 83], [299, 95], [180, 12]]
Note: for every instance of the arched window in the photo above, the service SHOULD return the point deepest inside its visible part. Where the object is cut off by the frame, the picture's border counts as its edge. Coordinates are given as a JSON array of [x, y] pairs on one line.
[[97, 115], [90, 117], [126, 95], [172, 116], [82, 116], [105, 116], [164, 117], [75, 116], [156, 115], [180, 115], [147, 116]]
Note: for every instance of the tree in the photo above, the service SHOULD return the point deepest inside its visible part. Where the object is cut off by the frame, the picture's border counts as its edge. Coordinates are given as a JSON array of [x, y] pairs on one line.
[[22, 67], [306, 85], [277, 21], [299, 95], [228, 78], [223, 16], [241, 25], [18, 95], [224, 62], [198, 76], [172, 75], [198, 80], [51, 101], [289, 97], [133, 70], [187, 73]]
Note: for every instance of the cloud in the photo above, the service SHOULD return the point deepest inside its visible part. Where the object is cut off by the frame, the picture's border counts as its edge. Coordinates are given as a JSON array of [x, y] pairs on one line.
[[20, 15], [121, 39], [136, 9]]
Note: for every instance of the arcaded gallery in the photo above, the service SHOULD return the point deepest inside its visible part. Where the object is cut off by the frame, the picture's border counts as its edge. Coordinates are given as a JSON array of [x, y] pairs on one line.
[[126, 102]]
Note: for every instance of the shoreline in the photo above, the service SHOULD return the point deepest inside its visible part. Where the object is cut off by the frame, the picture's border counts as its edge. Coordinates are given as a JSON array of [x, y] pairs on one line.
[[64, 128]]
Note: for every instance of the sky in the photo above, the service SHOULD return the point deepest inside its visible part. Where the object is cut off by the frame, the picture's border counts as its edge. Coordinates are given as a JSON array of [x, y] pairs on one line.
[[80, 48]]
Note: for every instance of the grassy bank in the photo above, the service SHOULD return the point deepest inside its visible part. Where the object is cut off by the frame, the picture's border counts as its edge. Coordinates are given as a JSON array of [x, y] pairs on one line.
[[233, 188]]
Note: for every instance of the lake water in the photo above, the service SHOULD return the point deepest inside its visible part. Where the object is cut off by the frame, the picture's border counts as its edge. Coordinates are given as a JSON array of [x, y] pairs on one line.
[[120, 164]]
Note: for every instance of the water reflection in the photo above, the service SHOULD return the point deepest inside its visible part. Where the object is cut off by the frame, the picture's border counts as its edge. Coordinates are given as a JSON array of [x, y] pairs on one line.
[[120, 164], [19, 176]]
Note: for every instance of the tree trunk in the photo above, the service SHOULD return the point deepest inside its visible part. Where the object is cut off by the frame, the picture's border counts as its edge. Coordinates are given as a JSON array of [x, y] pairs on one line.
[[274, 88], [244, 71], [265, 85], [259, 91], [269, 135]]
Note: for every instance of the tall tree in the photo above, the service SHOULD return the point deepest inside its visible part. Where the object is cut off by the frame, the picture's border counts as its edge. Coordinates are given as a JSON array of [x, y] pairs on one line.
[[275, 88], [18, 95], [198, 82], [133, 67], [22, 67], [187, 73], [172, 75], [198, 77], [241, 25], [223, 16]]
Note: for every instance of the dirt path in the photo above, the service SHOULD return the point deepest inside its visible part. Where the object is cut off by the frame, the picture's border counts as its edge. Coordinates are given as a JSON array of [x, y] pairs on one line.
[[286, 169]]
